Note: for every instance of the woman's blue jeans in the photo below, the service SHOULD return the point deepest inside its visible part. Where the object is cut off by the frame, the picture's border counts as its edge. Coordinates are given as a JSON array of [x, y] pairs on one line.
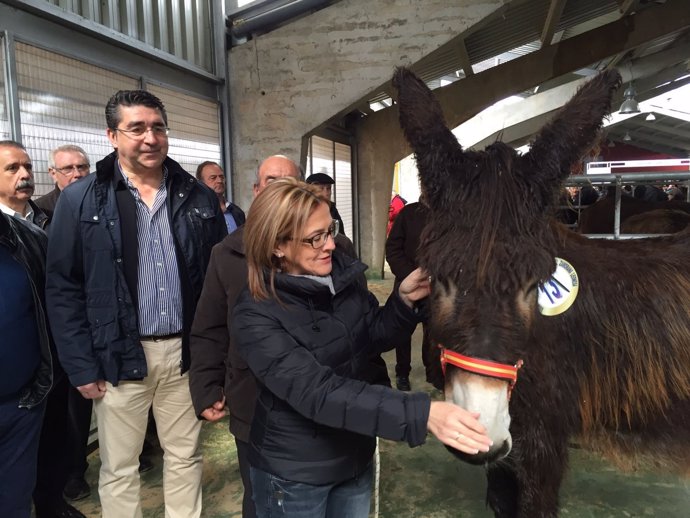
[[275, 497]]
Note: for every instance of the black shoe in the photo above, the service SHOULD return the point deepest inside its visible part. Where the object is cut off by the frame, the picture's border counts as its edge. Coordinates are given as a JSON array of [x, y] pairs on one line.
[[403, 383], [76, 489], [145, 464], [59, 509]]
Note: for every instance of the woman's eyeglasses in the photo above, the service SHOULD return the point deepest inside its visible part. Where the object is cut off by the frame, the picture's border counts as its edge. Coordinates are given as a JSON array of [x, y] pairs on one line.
[[319, 240]]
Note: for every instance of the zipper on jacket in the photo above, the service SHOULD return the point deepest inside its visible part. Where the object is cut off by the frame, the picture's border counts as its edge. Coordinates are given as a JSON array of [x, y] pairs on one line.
[[314, 325]]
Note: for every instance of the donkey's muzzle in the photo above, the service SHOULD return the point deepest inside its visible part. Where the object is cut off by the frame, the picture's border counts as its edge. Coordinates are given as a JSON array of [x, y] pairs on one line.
[[496, 453]]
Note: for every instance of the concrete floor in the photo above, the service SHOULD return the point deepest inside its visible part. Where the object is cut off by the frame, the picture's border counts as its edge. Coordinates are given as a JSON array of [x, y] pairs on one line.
[[426, 482]]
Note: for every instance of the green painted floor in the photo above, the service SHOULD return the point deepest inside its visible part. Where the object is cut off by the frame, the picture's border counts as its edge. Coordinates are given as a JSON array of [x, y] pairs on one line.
[[426, 482]]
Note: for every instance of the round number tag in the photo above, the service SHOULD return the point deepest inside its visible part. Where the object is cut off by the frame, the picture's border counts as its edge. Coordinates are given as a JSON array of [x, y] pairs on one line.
[[558, 293]]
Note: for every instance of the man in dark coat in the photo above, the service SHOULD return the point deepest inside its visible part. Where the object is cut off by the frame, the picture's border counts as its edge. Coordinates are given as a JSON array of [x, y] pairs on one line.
[[26, 361], [210, 346], [16, 187], [127, 256], [401, 254]]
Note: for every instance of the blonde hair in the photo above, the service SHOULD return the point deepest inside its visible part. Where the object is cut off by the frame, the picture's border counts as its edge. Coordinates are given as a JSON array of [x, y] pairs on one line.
[[277, 215]]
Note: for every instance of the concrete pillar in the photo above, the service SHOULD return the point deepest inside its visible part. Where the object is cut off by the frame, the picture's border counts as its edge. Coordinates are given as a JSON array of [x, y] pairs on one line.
[[380, 144]]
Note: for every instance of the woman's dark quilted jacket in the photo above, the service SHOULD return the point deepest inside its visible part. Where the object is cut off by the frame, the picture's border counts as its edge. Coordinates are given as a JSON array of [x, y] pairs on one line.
[[315, 420]]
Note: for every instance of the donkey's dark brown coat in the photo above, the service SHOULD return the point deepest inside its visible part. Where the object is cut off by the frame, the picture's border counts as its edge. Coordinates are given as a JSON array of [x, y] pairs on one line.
[[613, 369]]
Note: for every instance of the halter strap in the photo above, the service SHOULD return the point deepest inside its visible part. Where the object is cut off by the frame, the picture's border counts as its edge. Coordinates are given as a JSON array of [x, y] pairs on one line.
[[484, 367]]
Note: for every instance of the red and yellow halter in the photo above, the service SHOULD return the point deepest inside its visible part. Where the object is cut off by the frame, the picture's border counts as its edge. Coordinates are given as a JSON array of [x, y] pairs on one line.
[[484, 367]]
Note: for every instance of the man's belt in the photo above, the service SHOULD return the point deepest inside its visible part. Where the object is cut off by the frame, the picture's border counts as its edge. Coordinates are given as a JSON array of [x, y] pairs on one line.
[[160, 338]]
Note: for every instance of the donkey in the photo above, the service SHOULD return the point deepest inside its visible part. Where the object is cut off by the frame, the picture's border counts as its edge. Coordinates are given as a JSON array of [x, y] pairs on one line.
[[601, 328]]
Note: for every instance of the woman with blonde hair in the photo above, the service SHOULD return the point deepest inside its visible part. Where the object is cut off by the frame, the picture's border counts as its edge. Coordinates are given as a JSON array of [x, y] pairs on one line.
[[305, 324]]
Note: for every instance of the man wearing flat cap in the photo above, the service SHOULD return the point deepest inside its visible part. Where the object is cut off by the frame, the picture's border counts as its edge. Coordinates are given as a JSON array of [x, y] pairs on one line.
[[324, 183]]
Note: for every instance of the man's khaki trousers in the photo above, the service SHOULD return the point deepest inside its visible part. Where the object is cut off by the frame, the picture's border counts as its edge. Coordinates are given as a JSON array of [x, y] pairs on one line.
[[122, 416]]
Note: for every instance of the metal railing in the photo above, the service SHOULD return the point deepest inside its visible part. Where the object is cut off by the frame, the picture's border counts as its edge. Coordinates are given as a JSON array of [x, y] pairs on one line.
[[629, 178]]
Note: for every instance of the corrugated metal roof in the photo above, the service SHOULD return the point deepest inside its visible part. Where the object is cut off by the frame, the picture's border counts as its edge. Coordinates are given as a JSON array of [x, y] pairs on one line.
[[511, 32]]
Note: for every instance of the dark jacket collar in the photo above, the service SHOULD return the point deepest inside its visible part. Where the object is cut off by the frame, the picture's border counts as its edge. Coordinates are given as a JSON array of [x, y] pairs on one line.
[[40, 218], [7, 237], [10, 228]]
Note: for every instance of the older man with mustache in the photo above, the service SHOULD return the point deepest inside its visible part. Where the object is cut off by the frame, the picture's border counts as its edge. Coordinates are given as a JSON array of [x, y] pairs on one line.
[[17, 184], [16, 189]]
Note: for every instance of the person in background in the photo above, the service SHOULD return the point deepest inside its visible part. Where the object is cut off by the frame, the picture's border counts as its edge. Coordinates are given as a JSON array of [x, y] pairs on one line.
[[211, 175], [219, 377], [127, 256], [401, 254], [324, 184], [675, 193], [649, 193], [16, 189], [305, 325], [17, 184], [396, 205], [66, 164], [26, 360]]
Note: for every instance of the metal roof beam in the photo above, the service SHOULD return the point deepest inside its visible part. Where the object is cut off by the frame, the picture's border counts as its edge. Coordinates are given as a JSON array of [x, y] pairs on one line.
[[626, 6], [552, 19], [658, 134], [526, 72], [464, 58], [642, 137], [517, 123]]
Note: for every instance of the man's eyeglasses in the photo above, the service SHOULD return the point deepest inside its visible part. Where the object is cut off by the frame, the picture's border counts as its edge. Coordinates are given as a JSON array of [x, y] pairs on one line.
[[139, 132], [69, 169], [319, 240]]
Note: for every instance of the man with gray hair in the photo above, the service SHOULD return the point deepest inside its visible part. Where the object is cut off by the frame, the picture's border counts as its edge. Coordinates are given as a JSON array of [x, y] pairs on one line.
[[16, 189], [66, 164], [17, 184]]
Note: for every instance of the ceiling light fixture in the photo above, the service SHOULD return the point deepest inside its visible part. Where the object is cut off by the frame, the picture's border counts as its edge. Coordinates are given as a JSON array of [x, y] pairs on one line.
[[630, 104], [627, 137], [650, 117]]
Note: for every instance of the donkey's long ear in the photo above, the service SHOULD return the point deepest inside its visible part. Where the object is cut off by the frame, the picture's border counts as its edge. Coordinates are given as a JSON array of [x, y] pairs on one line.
[[436, 148], [573, 131]]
